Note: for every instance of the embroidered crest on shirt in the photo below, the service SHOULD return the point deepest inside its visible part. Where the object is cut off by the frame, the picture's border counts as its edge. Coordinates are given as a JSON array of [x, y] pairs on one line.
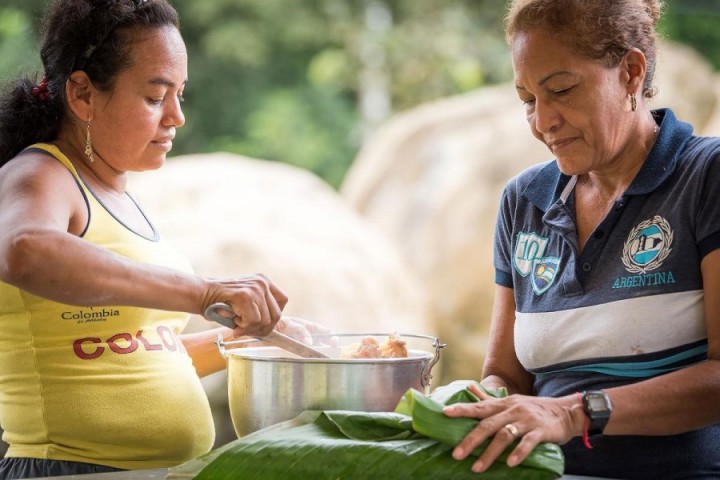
[[528, 259], [647, 246]]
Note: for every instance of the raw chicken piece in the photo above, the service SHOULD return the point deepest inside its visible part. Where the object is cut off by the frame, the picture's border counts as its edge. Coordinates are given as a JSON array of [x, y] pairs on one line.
[[395, 347], [369, 347]]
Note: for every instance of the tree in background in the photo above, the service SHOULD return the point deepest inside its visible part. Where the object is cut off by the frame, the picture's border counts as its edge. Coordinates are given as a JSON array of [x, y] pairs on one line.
[[697, 24], [305, 81], [18, 50]]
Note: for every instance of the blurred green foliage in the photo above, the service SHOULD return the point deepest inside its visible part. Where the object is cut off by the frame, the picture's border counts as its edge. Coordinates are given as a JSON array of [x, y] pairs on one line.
[[303, 81], [695, 23], [17, 41], [282, 80]]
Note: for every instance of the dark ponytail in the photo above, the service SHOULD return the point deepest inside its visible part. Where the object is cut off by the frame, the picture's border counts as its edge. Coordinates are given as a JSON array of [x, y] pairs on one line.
[[89, 35], [26, 118]]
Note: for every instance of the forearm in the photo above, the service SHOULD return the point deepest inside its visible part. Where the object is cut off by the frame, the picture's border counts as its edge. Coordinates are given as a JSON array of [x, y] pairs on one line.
[[507, 372], [495, 381], [85, 274], [204, 351], [502, 367], [670, 404]]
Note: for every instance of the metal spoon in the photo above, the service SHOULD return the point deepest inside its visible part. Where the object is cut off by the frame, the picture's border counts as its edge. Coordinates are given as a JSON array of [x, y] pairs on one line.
[[275, 338]]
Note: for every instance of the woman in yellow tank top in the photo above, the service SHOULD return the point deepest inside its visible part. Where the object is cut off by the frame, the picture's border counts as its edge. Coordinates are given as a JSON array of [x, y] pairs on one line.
[[95, 374]]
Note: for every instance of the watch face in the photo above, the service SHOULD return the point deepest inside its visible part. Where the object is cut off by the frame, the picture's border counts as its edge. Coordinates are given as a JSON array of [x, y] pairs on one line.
[[598, 407], [596, 402]]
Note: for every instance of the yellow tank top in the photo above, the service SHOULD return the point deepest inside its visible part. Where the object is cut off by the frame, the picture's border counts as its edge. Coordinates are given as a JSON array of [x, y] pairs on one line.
[[107, 385]]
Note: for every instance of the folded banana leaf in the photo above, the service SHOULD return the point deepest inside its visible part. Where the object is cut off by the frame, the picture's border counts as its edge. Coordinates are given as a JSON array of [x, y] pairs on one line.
[[414, 442]]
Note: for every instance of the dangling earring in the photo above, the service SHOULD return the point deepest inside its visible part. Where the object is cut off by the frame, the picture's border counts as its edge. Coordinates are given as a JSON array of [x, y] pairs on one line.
[[633, 102], [88, 144]]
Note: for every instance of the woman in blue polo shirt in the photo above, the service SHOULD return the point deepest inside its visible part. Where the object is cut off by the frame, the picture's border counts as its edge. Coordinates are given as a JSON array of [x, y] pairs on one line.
[[606, 325]]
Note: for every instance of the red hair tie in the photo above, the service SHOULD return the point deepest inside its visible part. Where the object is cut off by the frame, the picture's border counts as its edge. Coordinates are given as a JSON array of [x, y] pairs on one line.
[[41, 91]]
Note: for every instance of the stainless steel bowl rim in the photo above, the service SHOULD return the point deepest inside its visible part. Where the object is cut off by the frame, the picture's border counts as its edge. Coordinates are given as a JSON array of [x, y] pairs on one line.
[[247, 352], [353, 361]]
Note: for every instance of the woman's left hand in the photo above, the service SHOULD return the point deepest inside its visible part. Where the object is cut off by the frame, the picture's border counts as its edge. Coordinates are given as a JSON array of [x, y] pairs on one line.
[[531, 420], [301, 329]]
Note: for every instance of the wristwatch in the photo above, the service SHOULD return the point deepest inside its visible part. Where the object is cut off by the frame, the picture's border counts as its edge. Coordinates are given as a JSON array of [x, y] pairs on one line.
[[598, 407]]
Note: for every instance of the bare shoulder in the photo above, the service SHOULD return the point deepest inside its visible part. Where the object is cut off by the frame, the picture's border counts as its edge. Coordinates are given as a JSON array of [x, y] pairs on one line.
[[36, 185], [33, 168]]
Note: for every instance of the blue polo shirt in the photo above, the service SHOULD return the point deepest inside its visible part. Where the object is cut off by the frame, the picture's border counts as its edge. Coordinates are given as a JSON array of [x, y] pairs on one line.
[[630, 305]]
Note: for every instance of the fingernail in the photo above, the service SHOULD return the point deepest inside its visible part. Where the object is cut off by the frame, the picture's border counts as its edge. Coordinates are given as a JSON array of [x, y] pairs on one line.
[[512, 461], [458, 453], [478, 467]]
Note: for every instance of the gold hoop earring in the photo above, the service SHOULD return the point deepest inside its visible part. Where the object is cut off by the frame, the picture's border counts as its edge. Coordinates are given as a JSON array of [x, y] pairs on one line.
[[633, 102], [88, 144]]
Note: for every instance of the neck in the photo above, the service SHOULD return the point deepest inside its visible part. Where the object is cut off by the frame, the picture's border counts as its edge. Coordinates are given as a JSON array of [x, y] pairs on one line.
[[98, 173], [610, 183]]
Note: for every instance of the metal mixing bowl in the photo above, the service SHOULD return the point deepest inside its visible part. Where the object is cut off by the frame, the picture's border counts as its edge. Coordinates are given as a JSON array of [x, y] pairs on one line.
[[267, 385]]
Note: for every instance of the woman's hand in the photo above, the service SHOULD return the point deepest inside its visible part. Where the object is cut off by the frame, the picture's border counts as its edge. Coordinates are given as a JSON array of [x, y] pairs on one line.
[[256, 301], [531, 420], [301, 329]]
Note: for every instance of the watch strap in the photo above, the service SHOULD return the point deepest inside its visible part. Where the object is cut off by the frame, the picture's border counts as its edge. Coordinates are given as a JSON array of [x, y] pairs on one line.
[[598, 407]]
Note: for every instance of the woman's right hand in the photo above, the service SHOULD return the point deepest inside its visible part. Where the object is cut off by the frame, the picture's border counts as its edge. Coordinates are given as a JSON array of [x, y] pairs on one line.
[[256, 301], [528, 419]]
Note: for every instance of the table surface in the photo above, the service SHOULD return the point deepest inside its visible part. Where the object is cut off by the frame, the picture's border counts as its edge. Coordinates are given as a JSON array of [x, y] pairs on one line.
[[161, 473]]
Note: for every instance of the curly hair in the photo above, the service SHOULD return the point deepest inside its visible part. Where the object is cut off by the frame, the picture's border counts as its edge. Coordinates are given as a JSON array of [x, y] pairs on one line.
[[89, 35], [599, 30]]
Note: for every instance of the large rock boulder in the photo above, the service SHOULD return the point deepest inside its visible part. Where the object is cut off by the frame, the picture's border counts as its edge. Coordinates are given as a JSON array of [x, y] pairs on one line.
[[233, 215], [687, 83], [712, 127], [431, 179]]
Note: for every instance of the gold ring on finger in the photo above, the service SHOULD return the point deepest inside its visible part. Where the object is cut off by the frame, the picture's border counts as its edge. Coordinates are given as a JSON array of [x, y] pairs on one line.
[[512, 429]]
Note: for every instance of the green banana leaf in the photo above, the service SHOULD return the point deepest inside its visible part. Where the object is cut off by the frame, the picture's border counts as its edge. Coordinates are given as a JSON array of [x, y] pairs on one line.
[[429, 420], [414, 442]]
